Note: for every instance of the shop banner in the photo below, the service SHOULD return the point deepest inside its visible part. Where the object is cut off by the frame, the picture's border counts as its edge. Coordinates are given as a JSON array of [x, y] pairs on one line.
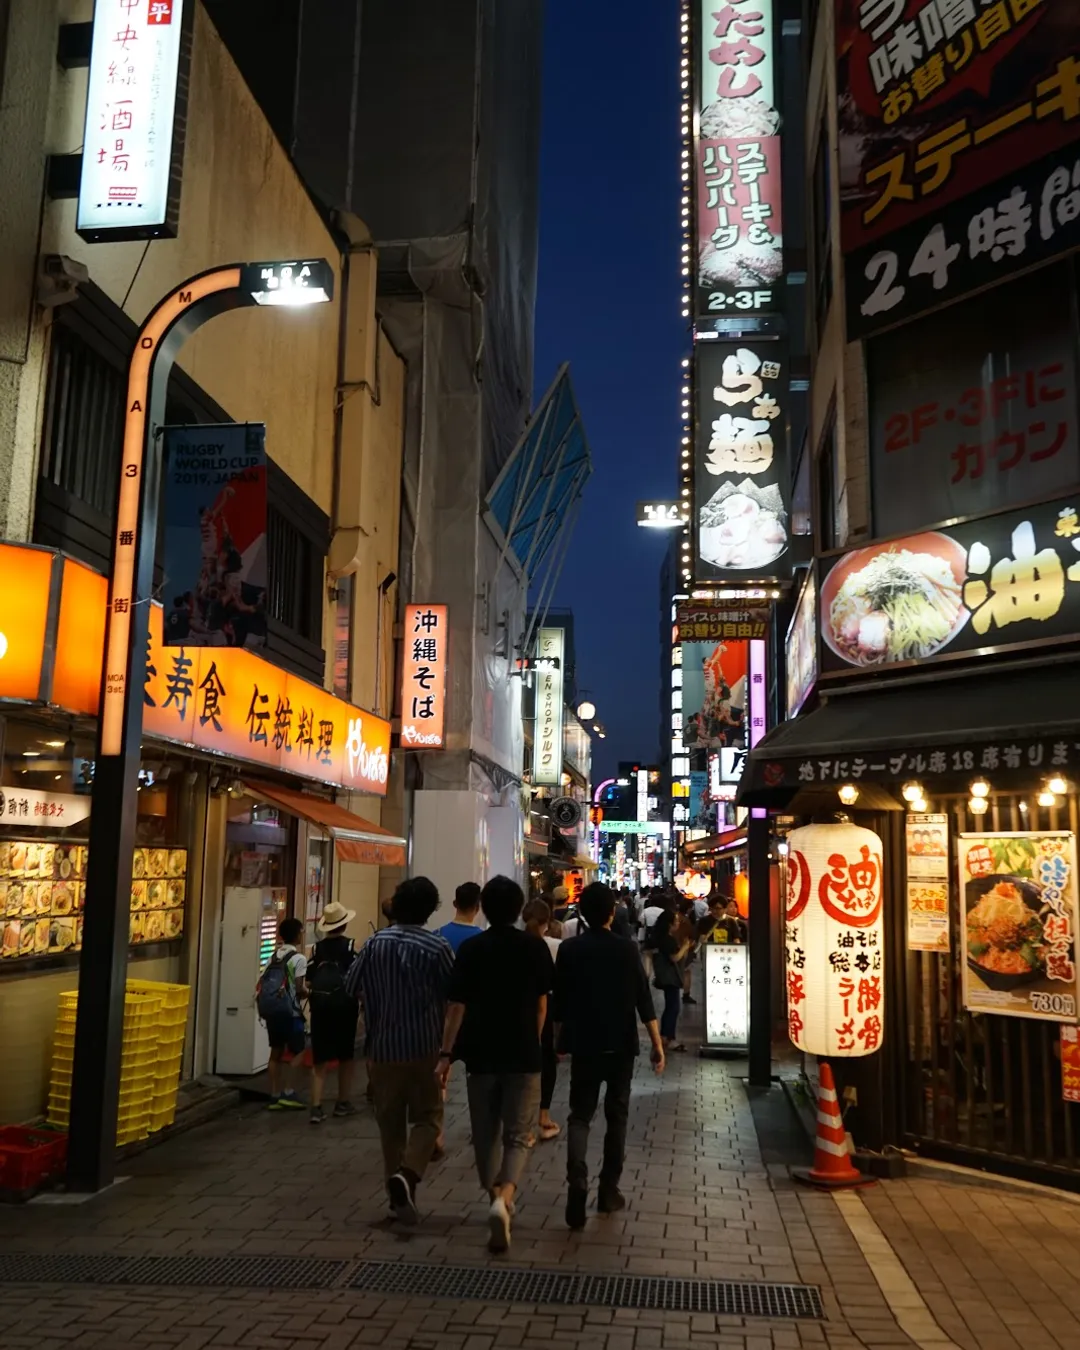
[[737, 155], [927, 839], [657, 827], [423, 677], [714, 694], [801, 654], [1004, 582], [1070, 1064], [215, 535], [548, 727], [702, 620], [942, 97], [1018, 912], [741, 477], [727, 995], [45, 810]]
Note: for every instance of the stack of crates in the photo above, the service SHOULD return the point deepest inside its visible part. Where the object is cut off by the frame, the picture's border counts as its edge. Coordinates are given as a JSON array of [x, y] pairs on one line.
[[138, 1064], [172, 1024]]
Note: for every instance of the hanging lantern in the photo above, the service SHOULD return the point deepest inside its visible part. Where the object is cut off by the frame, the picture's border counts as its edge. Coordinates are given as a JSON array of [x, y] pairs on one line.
[[741, 892], [694, 885], [834, 941]]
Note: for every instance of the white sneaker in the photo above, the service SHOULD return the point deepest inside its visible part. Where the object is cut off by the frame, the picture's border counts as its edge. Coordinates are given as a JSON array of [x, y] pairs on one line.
[[498, 1226]]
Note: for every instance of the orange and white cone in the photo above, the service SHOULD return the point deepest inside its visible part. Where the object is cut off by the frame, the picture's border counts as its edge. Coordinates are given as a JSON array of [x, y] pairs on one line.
[[832, 1169]]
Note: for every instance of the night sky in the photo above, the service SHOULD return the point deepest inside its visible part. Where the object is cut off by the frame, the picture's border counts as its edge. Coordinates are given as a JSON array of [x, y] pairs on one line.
[[609, 304]]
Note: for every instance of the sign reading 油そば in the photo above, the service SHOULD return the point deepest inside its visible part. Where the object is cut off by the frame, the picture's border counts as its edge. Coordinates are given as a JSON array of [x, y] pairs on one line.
[[133, 143], [548, 728], [423, 690]]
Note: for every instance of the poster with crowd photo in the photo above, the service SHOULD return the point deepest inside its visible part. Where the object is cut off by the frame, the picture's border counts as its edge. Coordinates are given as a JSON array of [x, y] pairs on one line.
[[714, 694], [737, 153], [215, 535], [927, 856], [1018, 912]]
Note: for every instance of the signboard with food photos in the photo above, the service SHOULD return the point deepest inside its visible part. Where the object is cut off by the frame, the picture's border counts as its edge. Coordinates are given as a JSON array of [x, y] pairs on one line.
[[43, 890]]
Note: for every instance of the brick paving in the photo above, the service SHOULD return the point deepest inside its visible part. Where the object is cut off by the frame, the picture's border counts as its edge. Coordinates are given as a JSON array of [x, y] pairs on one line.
[[701, 1203]]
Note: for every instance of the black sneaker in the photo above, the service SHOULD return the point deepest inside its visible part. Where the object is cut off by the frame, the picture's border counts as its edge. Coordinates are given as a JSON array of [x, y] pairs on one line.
[[344, 1109], [576, 1199], [609, 1200], [402, 1199], [318, 1115], [689, 998]]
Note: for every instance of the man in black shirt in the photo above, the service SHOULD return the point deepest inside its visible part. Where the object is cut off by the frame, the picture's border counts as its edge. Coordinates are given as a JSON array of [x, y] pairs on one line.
[[497, 1001], [600, 991]]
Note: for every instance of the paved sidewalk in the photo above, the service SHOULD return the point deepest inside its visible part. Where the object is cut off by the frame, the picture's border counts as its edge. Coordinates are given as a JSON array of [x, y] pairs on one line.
[[702, 1203]]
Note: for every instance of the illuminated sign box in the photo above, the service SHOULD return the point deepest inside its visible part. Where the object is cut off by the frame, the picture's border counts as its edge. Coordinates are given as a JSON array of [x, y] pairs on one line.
[[548, 732], [423, 679]]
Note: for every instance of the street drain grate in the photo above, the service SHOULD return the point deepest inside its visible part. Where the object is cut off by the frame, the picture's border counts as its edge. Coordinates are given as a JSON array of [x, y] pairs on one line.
[[548, 1287], [230, 1272]]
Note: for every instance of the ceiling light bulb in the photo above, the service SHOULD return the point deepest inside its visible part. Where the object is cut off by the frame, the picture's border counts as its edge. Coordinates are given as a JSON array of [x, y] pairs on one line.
[[919, 805], [978, 806], [1046, 798], [911, 791], [980, 788], [849, 794], [1057, 785]]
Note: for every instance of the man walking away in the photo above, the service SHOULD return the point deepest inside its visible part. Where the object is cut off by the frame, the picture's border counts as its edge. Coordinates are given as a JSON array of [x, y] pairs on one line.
[[463, 925], [334, 1011], [600, 990], [278, 997], [400, 977], [497, 1002]]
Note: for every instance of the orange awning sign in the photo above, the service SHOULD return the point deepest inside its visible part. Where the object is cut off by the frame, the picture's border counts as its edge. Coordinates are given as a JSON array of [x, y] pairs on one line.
[[355, 839]]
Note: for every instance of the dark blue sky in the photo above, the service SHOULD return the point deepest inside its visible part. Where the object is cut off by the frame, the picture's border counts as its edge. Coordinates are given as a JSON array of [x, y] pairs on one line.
[[609, 304]]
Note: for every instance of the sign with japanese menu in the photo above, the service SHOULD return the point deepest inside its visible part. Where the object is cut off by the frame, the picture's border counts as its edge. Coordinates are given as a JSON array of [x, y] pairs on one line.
[[133, 145], [727, 995], [1018, 910], [949, 107], [990, 585], [548, 728], [741, 478], [927, 839], [801, 652], [423, 677], [975, 408], [1070, 1064], [737, 153], [706, 621]]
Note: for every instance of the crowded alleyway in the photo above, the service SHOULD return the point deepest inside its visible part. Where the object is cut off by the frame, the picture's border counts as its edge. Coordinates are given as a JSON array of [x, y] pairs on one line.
[[954, 1264]]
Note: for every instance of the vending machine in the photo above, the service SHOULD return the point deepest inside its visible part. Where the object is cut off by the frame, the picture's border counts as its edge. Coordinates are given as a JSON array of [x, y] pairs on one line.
[[249, 928]]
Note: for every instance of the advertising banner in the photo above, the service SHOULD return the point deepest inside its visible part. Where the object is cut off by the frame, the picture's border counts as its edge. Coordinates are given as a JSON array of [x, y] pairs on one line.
[[989, 585], [1070, 1064], [741, 477], [927, 839], [974, 409], [737, 152], [423, 678], [1018, 924], [702, 621], [714, 694], [801, 654], [727, 995], [215, 535], [548, 728], [942, 101]]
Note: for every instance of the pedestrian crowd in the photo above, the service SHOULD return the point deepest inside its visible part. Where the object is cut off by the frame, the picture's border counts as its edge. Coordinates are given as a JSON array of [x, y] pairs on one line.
[[507, 990]]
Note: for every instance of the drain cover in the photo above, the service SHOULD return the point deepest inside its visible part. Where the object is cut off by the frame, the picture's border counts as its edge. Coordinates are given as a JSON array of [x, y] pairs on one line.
[[251, 1272]]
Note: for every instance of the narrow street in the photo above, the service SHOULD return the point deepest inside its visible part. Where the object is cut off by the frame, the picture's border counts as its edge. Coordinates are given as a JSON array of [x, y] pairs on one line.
[[920, 1262]]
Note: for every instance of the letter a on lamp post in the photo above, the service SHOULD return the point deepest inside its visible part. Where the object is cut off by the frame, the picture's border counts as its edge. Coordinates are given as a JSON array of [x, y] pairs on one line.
[[99, 1026]]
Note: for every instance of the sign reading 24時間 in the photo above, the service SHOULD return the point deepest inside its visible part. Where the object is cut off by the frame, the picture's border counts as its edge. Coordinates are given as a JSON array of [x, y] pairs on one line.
[[737, 149], [741, 462], [133, 146]]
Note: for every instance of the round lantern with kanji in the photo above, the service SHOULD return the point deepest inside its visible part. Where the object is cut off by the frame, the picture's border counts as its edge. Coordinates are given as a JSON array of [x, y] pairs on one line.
[[834, 940]]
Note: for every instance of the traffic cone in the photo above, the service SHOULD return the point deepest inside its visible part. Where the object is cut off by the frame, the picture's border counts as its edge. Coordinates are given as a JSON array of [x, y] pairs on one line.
[[832, 1169]]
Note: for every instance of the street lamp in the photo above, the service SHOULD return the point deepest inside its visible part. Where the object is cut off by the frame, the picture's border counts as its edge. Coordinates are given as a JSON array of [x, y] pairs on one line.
[[586, 710], [103, 961]]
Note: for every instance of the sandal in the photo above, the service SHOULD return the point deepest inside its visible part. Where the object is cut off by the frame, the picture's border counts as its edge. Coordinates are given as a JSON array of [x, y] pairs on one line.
[[550, 1131], [676, 1048]]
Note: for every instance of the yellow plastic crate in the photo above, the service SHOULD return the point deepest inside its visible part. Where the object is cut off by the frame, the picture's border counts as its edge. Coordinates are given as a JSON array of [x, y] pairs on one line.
[[171, 995]]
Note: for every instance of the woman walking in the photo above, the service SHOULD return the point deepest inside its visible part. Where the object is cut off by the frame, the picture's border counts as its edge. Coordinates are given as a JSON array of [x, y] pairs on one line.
[[669, 948], [537, 916]]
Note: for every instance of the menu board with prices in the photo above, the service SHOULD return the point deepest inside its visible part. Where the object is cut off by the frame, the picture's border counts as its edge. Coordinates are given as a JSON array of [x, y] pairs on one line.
[[927, 838], [43, 891]]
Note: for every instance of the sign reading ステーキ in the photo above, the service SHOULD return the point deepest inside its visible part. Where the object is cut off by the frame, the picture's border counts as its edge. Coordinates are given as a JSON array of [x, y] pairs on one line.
[[423, 690]]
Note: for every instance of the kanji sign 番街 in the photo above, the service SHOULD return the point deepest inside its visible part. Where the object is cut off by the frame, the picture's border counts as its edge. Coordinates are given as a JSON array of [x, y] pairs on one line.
[[133, 145], [737, 152], [423, 689], [1018, 916], [548, 728], [741, 461]]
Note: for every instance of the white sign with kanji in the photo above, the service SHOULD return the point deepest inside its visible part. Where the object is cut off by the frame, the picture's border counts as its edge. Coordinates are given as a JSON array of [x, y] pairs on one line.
[[727, 995], [43, 810], [130, 118], [548, 728]]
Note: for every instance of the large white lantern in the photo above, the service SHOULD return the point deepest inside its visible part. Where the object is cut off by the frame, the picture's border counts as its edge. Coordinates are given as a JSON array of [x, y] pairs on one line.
[[834, 941]]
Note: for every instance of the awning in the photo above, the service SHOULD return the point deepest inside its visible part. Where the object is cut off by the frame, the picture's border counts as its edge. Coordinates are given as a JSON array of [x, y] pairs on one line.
[[355, 839], [716, 843], [574, 864], [1010, 724]]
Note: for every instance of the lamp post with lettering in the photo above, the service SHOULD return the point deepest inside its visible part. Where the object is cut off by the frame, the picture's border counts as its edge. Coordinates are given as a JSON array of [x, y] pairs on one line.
[[103, 962]]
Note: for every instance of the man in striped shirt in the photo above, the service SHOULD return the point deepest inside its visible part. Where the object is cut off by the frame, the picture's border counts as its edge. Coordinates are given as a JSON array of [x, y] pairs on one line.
[[401, 976]]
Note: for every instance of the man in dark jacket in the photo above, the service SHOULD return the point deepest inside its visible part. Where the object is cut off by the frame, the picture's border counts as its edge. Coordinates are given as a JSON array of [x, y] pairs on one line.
[[600, 992]]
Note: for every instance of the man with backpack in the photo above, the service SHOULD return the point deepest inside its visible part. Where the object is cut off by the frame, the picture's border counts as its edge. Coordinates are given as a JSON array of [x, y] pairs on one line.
[[278, 999], [334, 1011]]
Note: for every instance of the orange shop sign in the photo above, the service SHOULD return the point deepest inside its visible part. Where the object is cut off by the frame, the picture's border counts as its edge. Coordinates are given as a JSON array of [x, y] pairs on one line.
[[423, 684], [221, 699]]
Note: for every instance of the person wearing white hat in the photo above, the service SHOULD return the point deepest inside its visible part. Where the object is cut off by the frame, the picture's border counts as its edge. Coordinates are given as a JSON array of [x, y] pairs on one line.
[[334, 1011]]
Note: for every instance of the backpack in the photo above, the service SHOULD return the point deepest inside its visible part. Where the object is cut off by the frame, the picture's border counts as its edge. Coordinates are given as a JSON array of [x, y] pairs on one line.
[[276, 993], [650, 939], [326, 984]]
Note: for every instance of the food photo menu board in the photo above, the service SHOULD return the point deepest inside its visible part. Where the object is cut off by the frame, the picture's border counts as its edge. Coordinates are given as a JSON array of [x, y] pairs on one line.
[[42, 893]]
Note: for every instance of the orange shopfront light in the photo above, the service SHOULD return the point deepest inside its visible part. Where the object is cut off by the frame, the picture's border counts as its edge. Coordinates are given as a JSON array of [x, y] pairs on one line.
[[25, 584]]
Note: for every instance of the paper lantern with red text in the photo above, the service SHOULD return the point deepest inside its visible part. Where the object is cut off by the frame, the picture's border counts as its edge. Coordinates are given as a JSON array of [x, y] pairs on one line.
[[740, 889], [695, 885], [834, 941]]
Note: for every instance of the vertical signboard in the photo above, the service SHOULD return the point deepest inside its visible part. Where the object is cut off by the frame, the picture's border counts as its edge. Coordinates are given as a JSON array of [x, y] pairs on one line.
[[927, 839], [737, 151], [741, 477], [727, 995], [714, 695], [548, 731], [135, 104], [423, 682], [801, 665], [215, 535]]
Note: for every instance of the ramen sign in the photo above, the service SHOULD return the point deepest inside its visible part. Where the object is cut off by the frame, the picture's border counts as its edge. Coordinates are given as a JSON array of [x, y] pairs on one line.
[[834, 941]]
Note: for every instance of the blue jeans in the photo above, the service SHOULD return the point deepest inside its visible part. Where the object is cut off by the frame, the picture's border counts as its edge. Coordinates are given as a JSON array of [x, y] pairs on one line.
[[669, 1018]]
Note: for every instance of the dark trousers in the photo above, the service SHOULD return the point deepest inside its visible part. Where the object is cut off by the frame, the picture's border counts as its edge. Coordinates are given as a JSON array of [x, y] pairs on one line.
[[669, 1019], [549, 1066], [587, 1074]]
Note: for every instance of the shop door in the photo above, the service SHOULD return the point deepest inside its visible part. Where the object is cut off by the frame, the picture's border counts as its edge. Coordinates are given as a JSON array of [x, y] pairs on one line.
[[315, 888]]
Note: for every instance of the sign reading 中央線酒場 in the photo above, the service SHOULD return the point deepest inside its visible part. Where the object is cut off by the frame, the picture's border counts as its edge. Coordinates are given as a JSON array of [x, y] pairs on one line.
[[548, 728], [133, 143], [423, 677], [741, 479], [737, 159], [958, 125]]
